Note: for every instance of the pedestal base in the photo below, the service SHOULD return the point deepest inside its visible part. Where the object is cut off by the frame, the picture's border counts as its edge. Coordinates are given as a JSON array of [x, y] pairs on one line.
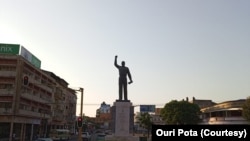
[[123, 119]]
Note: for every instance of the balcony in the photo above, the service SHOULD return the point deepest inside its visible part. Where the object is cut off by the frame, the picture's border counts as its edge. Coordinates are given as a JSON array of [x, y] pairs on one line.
[[7, 91], [234, 118], [47, 88], [29, 113], [8, 73], [224, 120], [37, 83], [5, 111], [34, 114], [42, 99], [58, 118]]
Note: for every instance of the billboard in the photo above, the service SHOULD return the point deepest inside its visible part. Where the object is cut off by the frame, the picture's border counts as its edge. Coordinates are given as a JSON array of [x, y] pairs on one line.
[[12, 49], [147, 108], [30, 57], [15, 49]]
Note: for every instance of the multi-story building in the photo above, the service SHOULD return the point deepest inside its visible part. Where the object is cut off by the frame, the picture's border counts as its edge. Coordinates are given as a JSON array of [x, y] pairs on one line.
[[104, 108], [103, 115], [202, 103], [156, 117], [28, 109], [64, 105], [228, 112]]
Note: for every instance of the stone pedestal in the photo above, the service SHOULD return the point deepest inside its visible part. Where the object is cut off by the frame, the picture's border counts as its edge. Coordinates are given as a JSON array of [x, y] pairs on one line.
[[123, 121], [122, 118]]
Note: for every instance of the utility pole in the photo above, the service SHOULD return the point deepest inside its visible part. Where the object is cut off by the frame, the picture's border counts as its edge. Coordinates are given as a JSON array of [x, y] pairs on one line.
[[80, 128]]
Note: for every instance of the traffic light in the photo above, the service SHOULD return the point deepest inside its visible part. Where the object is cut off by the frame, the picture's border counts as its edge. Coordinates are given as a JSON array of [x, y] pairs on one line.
[[25, 80], [79, 122]]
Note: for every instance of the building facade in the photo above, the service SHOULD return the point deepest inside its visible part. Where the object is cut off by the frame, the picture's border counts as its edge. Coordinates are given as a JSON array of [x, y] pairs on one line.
[[228, 112], [64, 105], [103, 116], [29, 109]]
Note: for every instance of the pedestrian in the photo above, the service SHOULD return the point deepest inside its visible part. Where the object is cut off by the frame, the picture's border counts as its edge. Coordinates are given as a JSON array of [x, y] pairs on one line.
[[13, 136]]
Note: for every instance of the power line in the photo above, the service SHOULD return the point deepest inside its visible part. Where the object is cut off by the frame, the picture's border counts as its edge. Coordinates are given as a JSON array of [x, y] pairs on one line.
[[94, 104], [98, 104]]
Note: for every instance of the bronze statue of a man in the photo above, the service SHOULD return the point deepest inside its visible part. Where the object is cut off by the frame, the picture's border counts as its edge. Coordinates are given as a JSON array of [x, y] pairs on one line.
[[123, 73]]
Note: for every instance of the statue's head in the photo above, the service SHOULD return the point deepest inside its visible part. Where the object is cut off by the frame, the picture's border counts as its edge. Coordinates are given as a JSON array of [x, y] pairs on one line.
[[123, 63]]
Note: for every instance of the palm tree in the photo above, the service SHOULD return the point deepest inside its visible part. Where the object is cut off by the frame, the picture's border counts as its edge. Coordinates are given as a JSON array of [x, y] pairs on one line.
[[144, 120]]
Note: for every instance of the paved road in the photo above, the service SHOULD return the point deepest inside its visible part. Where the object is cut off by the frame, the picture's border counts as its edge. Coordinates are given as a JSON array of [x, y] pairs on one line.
[[93, 138]]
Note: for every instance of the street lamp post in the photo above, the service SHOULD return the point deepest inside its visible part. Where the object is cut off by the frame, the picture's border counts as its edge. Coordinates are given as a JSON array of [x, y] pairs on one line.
[[80, 128]]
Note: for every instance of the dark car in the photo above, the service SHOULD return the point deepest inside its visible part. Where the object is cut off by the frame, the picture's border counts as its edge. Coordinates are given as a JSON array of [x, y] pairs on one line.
[[100, 136]]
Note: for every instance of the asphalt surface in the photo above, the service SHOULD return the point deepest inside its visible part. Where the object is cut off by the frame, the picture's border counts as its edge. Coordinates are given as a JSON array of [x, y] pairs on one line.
[[93, 137]]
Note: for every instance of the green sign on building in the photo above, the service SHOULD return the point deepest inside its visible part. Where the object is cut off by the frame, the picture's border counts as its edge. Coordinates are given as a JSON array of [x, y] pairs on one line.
[[12, 49], [35, 61], [15, 49], [30, 57]]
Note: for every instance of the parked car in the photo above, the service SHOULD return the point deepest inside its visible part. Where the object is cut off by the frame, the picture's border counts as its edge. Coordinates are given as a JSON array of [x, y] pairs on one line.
[[108, 132], [100, 136], [43, 139], [59, 134], [86, 136]]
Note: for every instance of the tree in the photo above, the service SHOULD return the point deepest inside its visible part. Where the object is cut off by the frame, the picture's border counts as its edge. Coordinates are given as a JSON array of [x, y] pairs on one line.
[[145, 121], [180, 112], [246, 109]]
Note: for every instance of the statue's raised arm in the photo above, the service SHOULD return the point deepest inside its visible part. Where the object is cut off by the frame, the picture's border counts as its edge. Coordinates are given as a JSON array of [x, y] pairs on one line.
[[115, 63]]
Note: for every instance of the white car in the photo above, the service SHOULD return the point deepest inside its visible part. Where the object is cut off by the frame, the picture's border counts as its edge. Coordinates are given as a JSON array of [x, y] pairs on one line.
[[85, 136]]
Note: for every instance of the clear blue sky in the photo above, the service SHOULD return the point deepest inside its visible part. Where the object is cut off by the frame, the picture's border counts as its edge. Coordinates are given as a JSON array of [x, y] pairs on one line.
[[174, 48]]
